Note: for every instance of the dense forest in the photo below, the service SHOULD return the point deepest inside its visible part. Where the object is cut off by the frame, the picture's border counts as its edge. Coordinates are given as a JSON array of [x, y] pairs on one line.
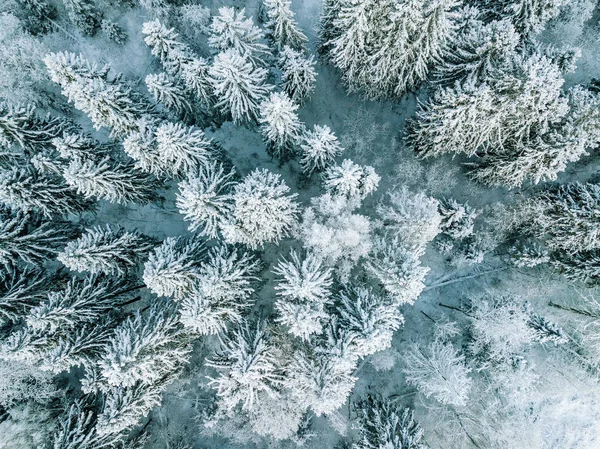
[[346, 224]]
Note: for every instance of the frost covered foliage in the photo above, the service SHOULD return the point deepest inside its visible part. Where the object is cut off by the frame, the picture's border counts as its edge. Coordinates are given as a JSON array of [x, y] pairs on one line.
[[438, 370], [172, 268], [223, 290], [204, 198], [21, 381], [412, 218], [381, 424], [298, 74], [304, 290], [106, 250], [263, 210], [280, 125], [319, 150], [351, 180], [281, 25], [331, 231], [385, 48], [528, 16], [247, 367]]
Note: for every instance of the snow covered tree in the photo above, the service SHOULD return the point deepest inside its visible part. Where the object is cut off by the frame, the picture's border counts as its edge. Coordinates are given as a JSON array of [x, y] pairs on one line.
[[39, 15], [304, 291], [25, 237], [21, 383], [239, 86], [145, 348], [194, 75], [166, 46], [298, 74], [84, 14], [263, 211], [385, 48], [413, 218], [567, 218], [75, 427], [172, 268], [398, 269], [477, 50], [457, 219], [280, 125], [438, 370], [204, 200], [582, 266], [19, 125], [106, 250], [370, 317], [231, 30], [381, 424], [281, 25], [184, 148], [528, 16], [113, 32], [117, 183], [72, 146], [317, 382], [334, 233], [247, 366], [20, 290], [499, 329], [108, 103], [319, 149], [22, 189], [169, 93], [546, 331], [351, 180]]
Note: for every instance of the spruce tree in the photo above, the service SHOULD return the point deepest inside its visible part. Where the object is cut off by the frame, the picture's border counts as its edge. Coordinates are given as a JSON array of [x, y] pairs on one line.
[[280, 125], [20, 290], [108, 250], [84, 14], [298, 74], [281, 24], [319, 149], [169, 93], [351, 180]]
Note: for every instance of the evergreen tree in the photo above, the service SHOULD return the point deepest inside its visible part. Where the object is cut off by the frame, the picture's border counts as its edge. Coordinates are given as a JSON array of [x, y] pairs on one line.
[[239, 86], [203, 199], [184, 149], [247, 366], [263, 211], [317, 382], [166, 46], [22, 189], [298, 74], [438, 370], [319, 149], [106, 250], [370, 317], [582, 266], [194, 74], [20, 290], [231, 30], [75, 428], [528, 16], [84, 14], [282, 26], [351, 180], [381, 424], [39, 16], [145, 348], [457, 219], [172, 268], [280, 125], [113, 32], [25, 237], [117, 183], [72, 146], [167, 91]]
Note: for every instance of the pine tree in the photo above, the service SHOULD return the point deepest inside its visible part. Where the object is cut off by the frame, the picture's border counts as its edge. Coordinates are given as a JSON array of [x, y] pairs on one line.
[[172, 268], [117, 183], [142, 147], [280, 125], [75, 428], [351, 180], [247, 367], [184, 149], [528, 16], [304, 291], [165, 45], [282, 26], [40, 15], [113, 32], [545, 331], [28, 238], [316, 381], [239, 86], [20, 290], [263, 211], [194, 75], [22, 189], [398, 269], [106, 250], [203, 199], [84, 14], [231, 30], [582, 266], [145, 348], [298, 74], [383, 424], [72, 146], [438, 370], [167, 91], [457, 219], [320, 149], [371, 317], [19, 125]]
